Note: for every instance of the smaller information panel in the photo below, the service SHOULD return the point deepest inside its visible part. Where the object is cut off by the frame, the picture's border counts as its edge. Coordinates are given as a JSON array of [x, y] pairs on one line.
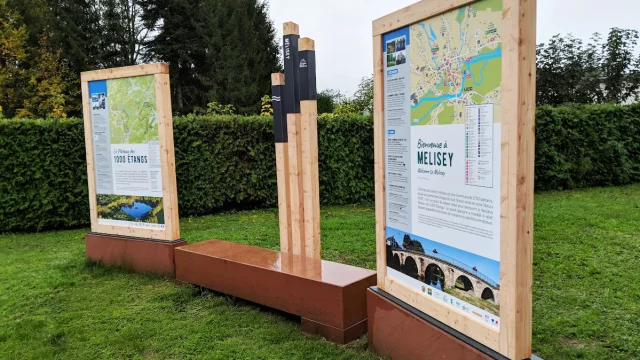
[[130, 151], [126, 152]]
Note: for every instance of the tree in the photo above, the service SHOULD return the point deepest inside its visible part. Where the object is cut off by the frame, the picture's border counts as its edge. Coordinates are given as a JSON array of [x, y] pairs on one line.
[[74, 27], [47, 92], [621, 70], [243, 53], [328, 100], [13, 58], [360, 103], [266, 108], [570, 72], [124, 34], [218, 50], [34, 81], [363, 97], [346, 108], [219, 109], [412, 245]]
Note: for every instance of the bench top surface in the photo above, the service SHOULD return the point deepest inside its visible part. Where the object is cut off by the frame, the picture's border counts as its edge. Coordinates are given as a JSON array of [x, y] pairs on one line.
[[313, 269]]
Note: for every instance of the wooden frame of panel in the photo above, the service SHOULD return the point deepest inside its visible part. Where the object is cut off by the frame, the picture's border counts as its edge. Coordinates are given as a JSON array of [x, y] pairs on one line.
[[160, 72], [513, 340]]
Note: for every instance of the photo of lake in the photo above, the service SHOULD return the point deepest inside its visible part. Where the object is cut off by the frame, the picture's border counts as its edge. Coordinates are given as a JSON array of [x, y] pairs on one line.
[[131, 208], [138, 209]]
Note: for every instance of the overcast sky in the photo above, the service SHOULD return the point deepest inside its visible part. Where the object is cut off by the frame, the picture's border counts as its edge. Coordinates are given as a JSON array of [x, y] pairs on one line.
[[342, 29]]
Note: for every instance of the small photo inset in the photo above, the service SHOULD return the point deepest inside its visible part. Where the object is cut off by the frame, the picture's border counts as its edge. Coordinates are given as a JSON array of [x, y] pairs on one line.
[[98, 101], [401, 58], [401, 43], [94, 102], [391, 60], [391, 47]]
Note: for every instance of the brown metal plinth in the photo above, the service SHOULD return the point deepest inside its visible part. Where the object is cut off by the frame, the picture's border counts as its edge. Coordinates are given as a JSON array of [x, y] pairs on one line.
[[330, 297], [396, 333], [339, 336], [140, 255]]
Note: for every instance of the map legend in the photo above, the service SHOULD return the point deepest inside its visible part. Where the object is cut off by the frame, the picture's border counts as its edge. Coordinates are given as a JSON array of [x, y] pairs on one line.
[[479, 145]]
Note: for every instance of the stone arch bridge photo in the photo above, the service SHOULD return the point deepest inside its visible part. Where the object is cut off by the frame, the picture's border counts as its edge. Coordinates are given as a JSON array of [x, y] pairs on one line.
[[441, 273]]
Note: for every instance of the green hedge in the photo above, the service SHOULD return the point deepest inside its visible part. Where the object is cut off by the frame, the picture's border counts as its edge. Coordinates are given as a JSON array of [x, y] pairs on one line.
[[222, 162], [587, 145], [225, 162], [229, 162]]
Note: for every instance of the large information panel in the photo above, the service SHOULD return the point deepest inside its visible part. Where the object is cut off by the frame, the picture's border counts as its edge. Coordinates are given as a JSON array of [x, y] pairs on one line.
[[446, 119], [443, 96], [127, 121]]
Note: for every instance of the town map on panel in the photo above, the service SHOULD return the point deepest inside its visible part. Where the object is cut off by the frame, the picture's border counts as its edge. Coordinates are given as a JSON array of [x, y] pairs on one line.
[[456, 61], [132, 110]]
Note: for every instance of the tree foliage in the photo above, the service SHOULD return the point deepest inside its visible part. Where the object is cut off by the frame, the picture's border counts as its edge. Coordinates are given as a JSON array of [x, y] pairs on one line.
[[34, 80], [332, 101], [363, 98], [13, 56], [217, 50], [266, 108], [412, 245], [569, 71], [328, 100]]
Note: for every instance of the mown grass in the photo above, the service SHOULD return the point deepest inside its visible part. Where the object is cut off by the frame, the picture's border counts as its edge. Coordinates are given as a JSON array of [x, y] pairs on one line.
[[54, 305]]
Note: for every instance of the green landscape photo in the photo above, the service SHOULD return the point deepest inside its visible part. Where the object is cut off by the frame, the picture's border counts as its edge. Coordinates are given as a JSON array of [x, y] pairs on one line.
[[145, 209]]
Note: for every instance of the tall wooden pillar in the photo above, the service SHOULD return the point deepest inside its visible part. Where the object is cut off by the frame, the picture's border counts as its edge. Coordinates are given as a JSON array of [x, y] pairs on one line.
[[296, 125], [309, 147], [282, 159]]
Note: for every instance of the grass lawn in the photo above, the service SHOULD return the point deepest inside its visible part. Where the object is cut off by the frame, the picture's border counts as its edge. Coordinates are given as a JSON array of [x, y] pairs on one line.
[[54, 305]]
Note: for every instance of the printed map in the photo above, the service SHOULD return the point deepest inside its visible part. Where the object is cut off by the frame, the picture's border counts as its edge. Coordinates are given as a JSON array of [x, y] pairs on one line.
[[132, 110], [456, 60]]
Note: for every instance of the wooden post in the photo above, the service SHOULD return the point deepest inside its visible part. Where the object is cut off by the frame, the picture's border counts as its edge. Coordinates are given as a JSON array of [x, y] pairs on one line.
[[518, 153], [292, 108], [282, 160], [378, 159], [309, 137]]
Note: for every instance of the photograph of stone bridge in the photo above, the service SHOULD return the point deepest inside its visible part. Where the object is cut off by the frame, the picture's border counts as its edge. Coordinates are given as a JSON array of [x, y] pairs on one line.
[[443, 273]]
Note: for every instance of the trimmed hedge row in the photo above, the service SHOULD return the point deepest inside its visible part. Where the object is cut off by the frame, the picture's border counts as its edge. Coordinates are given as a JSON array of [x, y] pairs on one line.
[[587, 145], [229, 162], [225, 162], [222, 162]]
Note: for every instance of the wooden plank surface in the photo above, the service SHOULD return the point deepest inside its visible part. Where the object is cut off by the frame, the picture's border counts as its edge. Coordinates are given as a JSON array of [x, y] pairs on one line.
[[88, 138], [127, 71], [167, 157], [518, 139], [282, 161], [284, 201], [277, 79], [290, 28], [142, 233], [378, 160], [310, 187], [295, 184], [413, 13], [315, 182]]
